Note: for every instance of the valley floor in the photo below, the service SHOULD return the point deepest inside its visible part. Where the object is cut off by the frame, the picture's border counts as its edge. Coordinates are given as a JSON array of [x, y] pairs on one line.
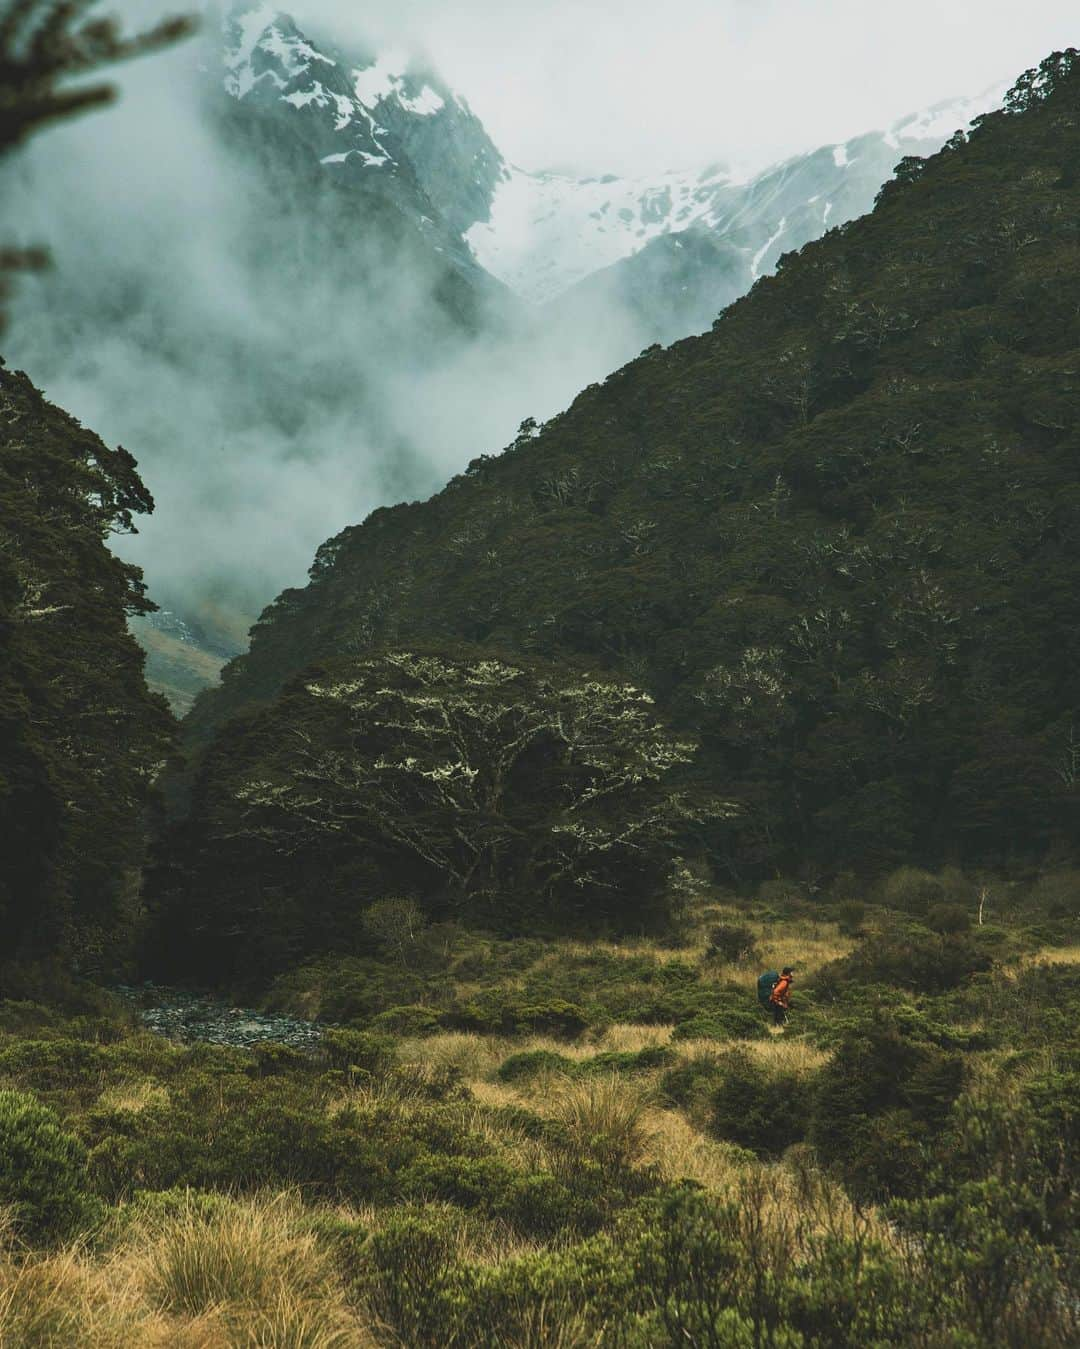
[[563, 1143]]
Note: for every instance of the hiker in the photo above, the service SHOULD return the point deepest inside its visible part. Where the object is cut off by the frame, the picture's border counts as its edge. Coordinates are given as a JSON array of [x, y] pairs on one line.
[[780, 997], [774, 993]]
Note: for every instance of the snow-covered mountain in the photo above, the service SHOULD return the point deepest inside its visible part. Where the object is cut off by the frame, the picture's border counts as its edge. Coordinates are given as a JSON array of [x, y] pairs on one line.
[[546, 231], [334, 291], [542, 234]]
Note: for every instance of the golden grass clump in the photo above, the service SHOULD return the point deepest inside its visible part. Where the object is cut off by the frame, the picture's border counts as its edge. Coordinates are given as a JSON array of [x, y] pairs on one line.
[[1056, 955], [683, 1152], [133, 1096], [253, 1265], [604, 1120], [627, 1038], [474, 1056]]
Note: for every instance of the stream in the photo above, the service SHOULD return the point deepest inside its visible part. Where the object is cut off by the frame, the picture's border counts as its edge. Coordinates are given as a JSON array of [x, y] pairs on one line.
[[182, 1015]]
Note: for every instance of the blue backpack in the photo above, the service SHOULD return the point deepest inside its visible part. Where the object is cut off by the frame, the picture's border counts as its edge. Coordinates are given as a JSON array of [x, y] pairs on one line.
[[765, 985]]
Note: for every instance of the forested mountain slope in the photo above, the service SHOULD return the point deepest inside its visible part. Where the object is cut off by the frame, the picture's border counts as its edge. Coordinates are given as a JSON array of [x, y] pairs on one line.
[[81, 737], [838, 538]]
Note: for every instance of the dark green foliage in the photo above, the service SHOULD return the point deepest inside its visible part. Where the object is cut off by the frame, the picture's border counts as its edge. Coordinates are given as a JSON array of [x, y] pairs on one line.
[[849, 917], [534, 1062], [757, 1107], [412, 1020], [363, 1052], [42, 1172], [531, 1063], [727, 1023], [878, 1104], [511, 795], [272, 1059], [732, 941], [80, 735], [503, 1013], [948, 919], [836, 538], [910, 957]]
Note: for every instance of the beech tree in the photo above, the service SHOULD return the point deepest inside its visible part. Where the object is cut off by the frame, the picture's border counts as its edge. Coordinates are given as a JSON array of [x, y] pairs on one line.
[[493, 790]]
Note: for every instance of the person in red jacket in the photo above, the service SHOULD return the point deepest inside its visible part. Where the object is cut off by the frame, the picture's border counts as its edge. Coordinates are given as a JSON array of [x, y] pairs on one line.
[[780, 998]]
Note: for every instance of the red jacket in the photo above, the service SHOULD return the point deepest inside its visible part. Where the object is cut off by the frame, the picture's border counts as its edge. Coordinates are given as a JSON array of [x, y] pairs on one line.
[[781, 994]]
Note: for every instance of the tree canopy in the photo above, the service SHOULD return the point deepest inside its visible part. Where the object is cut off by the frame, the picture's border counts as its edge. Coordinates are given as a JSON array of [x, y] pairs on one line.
[[837, 538]]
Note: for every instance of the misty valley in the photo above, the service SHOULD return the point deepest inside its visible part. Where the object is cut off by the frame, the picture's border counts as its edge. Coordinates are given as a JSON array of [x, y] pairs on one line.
[[539, 712]]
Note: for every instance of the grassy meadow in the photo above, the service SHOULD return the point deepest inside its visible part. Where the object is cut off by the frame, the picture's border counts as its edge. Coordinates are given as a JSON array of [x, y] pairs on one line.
[[564, 1143]]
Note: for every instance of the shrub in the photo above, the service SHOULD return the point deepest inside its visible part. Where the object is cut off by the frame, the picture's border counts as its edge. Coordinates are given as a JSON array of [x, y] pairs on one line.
[[638, 1061], [500, 1013], [878, 1101], [688, 1082], [911, 890], [356, 1051], [272, 1058], [45, 1065], [412, 1021], [850, 916], [42, 1171], [757, 1107], [532, 1063], [948, 919], [412, 1258], [729, 1023], [731, 941], [394, 925], [910, 957]]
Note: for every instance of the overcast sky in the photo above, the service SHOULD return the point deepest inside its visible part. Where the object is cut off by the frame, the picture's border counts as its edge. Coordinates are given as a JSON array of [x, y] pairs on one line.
[[639, 85]]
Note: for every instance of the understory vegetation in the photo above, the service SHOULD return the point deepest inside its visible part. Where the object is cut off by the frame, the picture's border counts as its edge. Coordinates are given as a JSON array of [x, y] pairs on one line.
[[558, 1143]]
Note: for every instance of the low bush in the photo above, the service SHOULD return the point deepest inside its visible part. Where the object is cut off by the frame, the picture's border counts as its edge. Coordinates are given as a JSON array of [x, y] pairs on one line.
[[42, 1172], [878, 1103], [850, 916], [729, 1023], [906, 957], [359, 1052], [413, 1021], [532, 1063], [948, 919], [499, 1012], [731, 941], [756, 1105]]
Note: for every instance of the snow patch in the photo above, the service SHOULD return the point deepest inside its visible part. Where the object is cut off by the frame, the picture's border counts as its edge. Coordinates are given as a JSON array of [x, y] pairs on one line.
[[840, 156], [239, 77], [294, 53], [301, 98], [940, 121], [374, 83], [425, 104], [759, 256], [547, 231], [345, 111]]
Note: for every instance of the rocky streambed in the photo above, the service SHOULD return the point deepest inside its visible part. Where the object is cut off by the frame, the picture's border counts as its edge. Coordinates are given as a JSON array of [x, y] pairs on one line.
[[183, 1015]]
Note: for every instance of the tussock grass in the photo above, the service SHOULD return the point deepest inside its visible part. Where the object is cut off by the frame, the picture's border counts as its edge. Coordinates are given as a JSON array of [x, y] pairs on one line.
[[474, 1056], [604, 1120], [682, 1152], [252, 1266], [624, 1037], [1055, 955], [133, 1096]]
